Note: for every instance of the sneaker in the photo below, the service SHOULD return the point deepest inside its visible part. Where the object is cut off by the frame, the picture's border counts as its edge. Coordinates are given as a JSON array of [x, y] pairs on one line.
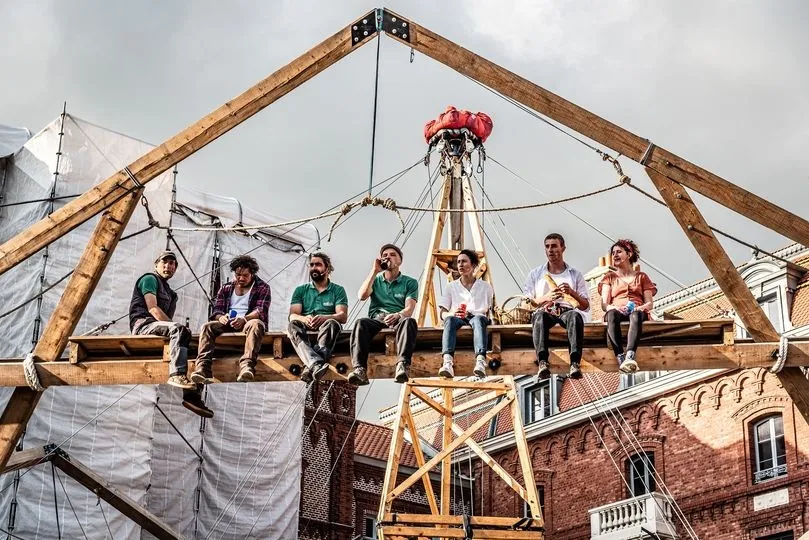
[[193, 402], [544, 371], [181, 381], [480, 366], [319, 370], [203, 375], [402, 370], [575, 371], [446, 370], [358, 377], [629, 365], [246, 374]]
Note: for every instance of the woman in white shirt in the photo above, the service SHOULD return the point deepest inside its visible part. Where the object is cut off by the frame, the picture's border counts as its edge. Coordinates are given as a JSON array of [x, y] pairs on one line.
[[466, 301]]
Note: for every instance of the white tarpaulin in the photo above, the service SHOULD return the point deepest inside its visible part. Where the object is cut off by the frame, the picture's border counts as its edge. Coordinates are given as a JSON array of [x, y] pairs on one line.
[[249, 475]]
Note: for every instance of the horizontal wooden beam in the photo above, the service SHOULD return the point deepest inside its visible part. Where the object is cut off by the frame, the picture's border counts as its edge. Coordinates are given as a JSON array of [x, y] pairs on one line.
[[606, 133], [428, 533], [25, 459], [429, 519], [515, 362], [179, 147]]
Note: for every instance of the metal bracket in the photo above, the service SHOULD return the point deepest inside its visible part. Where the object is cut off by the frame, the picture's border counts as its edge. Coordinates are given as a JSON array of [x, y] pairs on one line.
[[54, 450], [367, 26], [395, 26]]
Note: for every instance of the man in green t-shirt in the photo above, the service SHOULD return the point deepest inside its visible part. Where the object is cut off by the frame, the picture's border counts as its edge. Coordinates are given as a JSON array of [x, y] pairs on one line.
[[321, 306], [393, 299]]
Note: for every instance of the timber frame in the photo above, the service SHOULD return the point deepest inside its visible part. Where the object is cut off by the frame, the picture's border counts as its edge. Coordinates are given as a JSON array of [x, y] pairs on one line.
[[440, 522], [118, 194]]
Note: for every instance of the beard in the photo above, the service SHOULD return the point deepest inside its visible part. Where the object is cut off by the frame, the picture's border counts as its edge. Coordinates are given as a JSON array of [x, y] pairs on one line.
[[316, 276]]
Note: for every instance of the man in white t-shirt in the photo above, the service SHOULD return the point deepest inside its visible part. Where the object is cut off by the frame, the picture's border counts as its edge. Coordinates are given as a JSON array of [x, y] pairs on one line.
[[566, 304]]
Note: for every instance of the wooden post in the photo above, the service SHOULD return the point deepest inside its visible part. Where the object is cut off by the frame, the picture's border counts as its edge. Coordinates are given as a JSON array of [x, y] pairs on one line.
[[446, 463], [66, 315], [606, 133], [435, 242], [179, 147], [724, 272], [525, 457], [456, 224], [396, 442]]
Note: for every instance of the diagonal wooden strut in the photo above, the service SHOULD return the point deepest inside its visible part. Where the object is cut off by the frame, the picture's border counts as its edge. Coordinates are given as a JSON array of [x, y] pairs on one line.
[[89, 479], [729, 280], [440, 522], [606, 133], [179, 147], [66, 315]]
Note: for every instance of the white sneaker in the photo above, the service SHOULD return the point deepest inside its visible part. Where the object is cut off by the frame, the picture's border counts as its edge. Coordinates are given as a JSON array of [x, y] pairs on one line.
[[629, 365], [480, 366], [447, 370]]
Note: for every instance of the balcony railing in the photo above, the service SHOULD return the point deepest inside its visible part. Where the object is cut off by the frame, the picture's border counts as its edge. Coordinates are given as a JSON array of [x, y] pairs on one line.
[[767, 474], [634, 518]]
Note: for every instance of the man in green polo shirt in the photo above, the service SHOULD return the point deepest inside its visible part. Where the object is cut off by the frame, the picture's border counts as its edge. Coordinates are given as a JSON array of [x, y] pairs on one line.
[[321, 306], [393, 298]]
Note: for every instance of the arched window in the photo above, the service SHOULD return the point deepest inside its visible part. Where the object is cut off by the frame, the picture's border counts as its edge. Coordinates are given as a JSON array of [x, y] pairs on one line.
[[640, 474], [770, 450]]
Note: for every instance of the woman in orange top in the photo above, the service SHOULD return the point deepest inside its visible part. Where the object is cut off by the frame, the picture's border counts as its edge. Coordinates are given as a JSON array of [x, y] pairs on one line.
[[626, 295]]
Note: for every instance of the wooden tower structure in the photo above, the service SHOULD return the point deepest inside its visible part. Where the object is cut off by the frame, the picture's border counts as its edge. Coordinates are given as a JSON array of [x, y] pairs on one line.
[[457, 199], [441, 523], [139, 359]]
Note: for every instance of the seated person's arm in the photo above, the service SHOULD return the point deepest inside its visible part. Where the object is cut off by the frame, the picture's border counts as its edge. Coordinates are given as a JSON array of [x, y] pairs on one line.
[[605, 298], [410, 307], [295, 314], [443, 313], [648, 301], [341, 313], [151, 305]]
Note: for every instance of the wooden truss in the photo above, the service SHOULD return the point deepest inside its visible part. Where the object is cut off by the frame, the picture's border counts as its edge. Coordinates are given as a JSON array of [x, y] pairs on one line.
[[456, 194], [118, 194], [441, 522], [86, 477]]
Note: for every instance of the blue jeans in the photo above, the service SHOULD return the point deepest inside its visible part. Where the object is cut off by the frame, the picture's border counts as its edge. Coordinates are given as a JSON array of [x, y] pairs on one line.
[[479, 337]]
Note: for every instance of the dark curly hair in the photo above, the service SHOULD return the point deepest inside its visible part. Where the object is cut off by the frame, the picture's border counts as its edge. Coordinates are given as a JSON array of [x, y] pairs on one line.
[[630, 247], [323, 257], [244, 261], [473, 257]]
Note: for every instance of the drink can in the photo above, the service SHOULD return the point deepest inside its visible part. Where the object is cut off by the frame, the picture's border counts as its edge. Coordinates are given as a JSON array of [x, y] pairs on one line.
[[232, 314], [630, 306], [462, 307]]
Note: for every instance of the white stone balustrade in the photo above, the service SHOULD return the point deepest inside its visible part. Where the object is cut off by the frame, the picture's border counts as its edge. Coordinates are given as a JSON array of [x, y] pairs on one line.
[[633, 519]]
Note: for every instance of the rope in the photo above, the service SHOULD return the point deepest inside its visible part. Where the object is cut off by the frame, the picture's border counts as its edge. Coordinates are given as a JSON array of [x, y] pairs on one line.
[[781, 355], [37, 295], [387, 204], [49, 199], [376, 99], [55, 502], [178, 431], [191, 268], [104, 515], [31, 376]]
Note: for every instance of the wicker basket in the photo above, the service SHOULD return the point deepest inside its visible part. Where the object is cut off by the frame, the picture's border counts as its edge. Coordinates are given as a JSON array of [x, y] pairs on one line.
[[519, 314]]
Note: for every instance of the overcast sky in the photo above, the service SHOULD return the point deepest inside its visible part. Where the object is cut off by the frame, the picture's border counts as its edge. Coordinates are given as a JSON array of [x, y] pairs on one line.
[[722, 84]]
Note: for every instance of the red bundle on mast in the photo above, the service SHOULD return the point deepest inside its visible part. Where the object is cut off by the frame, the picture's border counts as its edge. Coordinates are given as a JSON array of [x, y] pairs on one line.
[[479, 124]]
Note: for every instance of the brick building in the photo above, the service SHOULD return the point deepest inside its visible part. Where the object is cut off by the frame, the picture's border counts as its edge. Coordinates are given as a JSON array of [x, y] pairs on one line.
[[709, 454]]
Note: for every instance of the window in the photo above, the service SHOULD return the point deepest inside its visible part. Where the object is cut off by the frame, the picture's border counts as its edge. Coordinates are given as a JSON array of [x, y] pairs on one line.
[[772, 308], [770, 455], [541, 493], [640, 474], [786, 535], [369, 531], [540, 400], [629, 380]]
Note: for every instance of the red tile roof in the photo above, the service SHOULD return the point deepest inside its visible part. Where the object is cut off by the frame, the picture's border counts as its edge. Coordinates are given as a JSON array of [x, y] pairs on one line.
[[373, 441], [589, 388]]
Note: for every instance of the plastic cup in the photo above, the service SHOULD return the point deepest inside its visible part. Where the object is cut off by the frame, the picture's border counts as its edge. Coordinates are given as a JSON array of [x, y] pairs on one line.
[[232, 314]]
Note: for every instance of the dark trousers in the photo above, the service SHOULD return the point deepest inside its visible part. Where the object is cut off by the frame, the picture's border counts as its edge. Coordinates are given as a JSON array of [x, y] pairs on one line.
[[364, 331], [254, 330], [542, 322], [614, 318], [327, 335]]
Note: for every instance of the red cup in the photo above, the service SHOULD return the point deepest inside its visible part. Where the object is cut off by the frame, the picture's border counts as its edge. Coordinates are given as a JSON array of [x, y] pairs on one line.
[[462, 307]]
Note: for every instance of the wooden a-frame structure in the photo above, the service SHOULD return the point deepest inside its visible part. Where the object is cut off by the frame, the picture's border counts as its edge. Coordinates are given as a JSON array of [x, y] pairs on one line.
[[117, 196]]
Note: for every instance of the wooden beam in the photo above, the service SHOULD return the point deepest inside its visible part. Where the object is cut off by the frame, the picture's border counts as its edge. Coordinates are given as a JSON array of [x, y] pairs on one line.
[[121, 502], [479, 521], [91, 266], [66, 316], [25, 459], [15, 417], [152, 370], [430, 402], [428, 533], [416, 444], [729, 280], [394, 454], [525, 459], [446, 463], [446, 451], [604, 132], [429, 266], [179, 147]]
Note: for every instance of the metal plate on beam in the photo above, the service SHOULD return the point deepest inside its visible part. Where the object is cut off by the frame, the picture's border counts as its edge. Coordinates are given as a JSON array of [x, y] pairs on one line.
[[396, 26], [363, 28]]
